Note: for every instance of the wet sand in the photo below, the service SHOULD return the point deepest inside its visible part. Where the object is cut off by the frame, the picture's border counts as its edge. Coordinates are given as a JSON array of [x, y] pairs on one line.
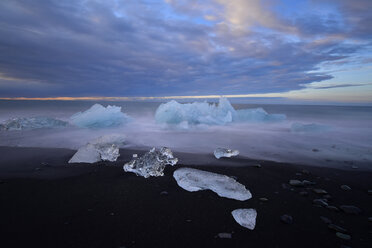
[[46, 202]]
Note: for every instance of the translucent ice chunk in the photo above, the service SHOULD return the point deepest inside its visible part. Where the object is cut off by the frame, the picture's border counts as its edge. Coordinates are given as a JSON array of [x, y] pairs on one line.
[[99, 116], [210, 114], [223, 152], [31, 123], [151, 163], [308, 128], [195, 180], [105, 148], [246, 217]]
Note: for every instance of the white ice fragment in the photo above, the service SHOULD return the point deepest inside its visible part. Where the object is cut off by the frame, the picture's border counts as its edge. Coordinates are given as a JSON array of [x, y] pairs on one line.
[[308, 128], [31, 123], [99, 116], [195, 180], [223, 152], [151, 163], [197, 113], [135, 155], [105, 148], [246, 217]]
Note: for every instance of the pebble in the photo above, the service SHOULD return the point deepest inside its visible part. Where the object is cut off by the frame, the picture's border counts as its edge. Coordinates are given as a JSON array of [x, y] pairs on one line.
[[285, 186], [306, 172], [345, 187], [37, 169], [112, 214], [315, 150], [304, 193], [263, 199], [320, 191], [287, 219], [333, 208], [296, 183], [327, 197], [336, 228], [224, 235], [164, 193], [306, 182], [257, 165], [343, 236], [325, 220], [320, 202], [349, 209]]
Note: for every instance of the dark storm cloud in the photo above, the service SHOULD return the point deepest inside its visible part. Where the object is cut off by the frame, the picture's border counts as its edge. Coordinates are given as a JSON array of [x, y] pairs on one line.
[[145, 48]]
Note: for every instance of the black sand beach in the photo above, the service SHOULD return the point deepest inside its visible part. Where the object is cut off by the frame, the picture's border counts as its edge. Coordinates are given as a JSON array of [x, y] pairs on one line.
[[46, 202]]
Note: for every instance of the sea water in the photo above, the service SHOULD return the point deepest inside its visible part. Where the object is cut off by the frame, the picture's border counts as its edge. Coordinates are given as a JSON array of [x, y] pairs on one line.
[[335, 136]]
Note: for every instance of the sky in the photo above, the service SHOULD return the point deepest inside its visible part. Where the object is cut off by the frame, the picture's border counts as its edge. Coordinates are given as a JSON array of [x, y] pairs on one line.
[[306, 50]]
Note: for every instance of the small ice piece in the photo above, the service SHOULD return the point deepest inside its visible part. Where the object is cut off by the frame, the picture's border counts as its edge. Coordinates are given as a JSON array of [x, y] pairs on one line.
[[135, 155], [31, 123], [105, 148], [151, 163], [226, 153], [246, 217], [195, 180], [99, 116]]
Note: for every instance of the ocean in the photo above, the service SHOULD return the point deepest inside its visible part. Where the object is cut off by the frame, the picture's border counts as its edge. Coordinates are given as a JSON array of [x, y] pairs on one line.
[[333, 136]]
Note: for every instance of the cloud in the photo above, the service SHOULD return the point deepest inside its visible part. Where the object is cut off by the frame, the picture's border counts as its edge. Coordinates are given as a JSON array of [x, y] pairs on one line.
[[178, 47]]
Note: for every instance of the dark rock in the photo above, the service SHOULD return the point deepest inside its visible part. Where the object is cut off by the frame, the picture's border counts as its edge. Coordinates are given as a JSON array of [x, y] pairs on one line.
[[307, 183], [304, 193], [315, 150], [333, 208], [224, 235], [336, 228], [320, 191], [325, 220], [345, 187], [287, 219], [343, 236], [296, 183], [327, 197], [349, 209], [320, 202]]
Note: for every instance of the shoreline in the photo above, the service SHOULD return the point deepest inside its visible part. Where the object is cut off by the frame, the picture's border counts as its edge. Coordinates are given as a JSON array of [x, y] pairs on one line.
[[47, 202]]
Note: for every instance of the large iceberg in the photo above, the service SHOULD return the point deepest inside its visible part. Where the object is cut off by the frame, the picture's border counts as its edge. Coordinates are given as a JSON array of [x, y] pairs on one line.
[[105, 148], [211, 114], [99, 116], [151, 163], [308, 128], [225, 153], [246, 217], [195, 180], [31, 123]]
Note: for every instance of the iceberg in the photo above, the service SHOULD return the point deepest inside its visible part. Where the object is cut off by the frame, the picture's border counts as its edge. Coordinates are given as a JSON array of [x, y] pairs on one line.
[[223, 152], [210, 114], [195, 180], [99, 116], [151, 163], [246, 217], [105, 148], [31, 123], [308, 128]]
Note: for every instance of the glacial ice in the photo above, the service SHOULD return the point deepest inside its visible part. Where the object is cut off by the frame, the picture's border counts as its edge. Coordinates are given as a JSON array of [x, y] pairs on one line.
[[151, 163], [195, 180], [246, 217], [99, 116], [308, 128], [31, 123], [210, 114], [105, 148], [223, 152]]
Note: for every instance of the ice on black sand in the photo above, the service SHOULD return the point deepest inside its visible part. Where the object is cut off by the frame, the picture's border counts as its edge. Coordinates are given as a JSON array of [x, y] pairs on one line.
[[246, 217], [225, 153]]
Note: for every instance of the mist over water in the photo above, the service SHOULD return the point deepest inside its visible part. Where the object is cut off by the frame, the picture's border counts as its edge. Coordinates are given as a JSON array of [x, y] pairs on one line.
[[346, 141]]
